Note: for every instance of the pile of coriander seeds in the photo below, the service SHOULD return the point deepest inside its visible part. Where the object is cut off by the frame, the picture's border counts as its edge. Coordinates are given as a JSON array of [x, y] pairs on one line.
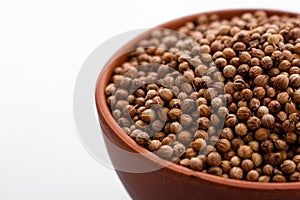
[[220, 96]]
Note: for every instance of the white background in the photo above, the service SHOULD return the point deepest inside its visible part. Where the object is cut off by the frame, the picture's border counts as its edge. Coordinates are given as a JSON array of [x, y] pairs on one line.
[[42, 47]]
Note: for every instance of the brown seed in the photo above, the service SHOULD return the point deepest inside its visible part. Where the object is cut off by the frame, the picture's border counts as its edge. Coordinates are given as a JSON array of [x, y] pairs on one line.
[[268, 120], [274, 158], [216, 46], [275, 39], [190, 153], [277, 56], [184, 162], [268, 170], [261, 80], [291, 137], [274, 106], [239, 46], [221, 62], [199, 144], [159, 136], [189, 75], [165, 151], [294, 70], [297, 48], [215, 171], [281, 116], [273, 72], [235, 161], [232, 108], [253, 123], [148, 115], [229, 155], [227, 133], [294, 80], [290, 107], [244, 56], [243, 113], [254, 145], [247, 165], [204, 110], [178, 149], [241, 129], [228, 53], [288, 126], [185, 137], [281, 145], [236, 173], [196, 164], [201, 101], [279, 178], [186, 120], [166, 94], [244, 36], [254, 104], [283, 97], [288, 166], [244, 151], [225, 166], [269, 49], [284, 65], [236, 143], [255, 71], [247, 94], [296, 159], [259, 92], [223, 145], [257, 53], [296, 96], [252, 175], [281, 82], [262, 134], [229, 71], [142, 138], [235, 61], [295, 176], [271, 92], [243, 69], [294, 117], [204, 123], [214, 159], [174, 113], [267, 146], [256, 159], [201, 134], [264, 178], [154, 145]]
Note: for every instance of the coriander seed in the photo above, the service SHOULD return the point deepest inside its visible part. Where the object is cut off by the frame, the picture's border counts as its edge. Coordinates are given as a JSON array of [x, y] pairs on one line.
[[236, 173], [252, 175], [288, 166], [268, 120], [214, 159], [165, 151], [244, 151], [196, 164]]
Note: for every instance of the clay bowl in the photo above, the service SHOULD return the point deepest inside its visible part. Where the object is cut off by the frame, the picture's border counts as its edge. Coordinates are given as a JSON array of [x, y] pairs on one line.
[[171, 181]]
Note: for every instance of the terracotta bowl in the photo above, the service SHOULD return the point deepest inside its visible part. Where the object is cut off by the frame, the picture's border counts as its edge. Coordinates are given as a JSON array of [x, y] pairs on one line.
[[171, 181]]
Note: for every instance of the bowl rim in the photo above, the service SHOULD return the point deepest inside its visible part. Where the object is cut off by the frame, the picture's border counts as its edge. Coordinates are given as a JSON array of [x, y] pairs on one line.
[[106, 117]]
